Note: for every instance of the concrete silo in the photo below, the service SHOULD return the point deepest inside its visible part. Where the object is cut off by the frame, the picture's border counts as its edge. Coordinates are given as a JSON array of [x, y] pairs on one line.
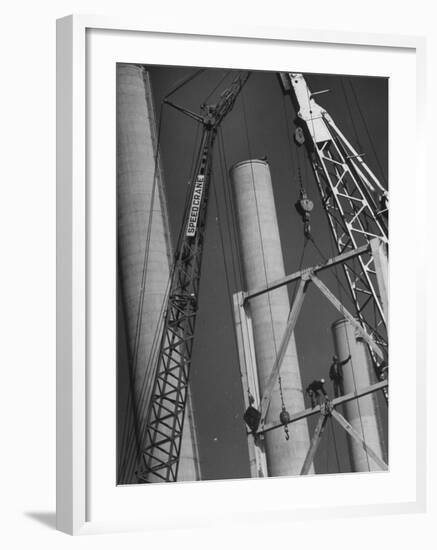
[[260, 248], [144, 257], [361, 413]]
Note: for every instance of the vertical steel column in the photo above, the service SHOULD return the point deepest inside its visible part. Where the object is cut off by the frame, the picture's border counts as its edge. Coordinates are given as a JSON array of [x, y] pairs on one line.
[[262, 263]]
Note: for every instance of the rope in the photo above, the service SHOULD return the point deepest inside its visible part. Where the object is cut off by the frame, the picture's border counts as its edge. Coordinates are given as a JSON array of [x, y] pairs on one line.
[[147, 385], [183, 82], [230, 215], [296, 285], [340, 285], [327, 447], [291, 147], [350, 354], [128, 462], [227, 277], [216, 87], [325, 259], [383, 176], [195, 162], [309, 109], [232, 225], [140, 307], [342, 79], [260, 233], [337, 458]]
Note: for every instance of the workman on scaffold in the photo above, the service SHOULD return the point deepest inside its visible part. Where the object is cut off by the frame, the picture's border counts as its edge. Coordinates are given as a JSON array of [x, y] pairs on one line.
[[336, 374], [316, 391]]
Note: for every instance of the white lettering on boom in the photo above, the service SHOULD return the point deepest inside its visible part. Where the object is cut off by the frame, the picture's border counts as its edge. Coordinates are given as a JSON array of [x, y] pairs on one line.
[[195, 206]]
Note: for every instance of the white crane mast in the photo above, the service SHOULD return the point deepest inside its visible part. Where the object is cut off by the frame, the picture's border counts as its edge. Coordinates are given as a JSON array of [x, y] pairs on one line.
[[347, 187]]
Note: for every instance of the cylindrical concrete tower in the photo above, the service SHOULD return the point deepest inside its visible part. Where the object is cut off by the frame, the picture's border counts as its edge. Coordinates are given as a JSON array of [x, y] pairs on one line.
[[263, 262], [144, 251], [361, 413]]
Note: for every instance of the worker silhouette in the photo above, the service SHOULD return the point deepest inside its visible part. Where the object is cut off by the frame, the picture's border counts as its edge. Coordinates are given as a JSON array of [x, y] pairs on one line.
[[252, 416], [336, 374], [316, 391]]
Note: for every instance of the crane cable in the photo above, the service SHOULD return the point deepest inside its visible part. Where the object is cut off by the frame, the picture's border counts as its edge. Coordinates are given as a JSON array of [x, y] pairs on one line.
[[147, 384], [231, 216], [129, 455], [140, 306], [133, 406], [292, 148], [222, 243], [340, 285], [214, 89], [182, 82], [149, 374], [351, 117], [372, 145], [338, 281], [262, 247], [337, 458], [235, 255], [350, 355]]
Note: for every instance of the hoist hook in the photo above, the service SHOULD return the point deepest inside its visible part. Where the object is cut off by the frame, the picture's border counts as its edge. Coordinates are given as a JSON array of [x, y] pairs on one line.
[[304, 207], [285, 418], [299, 136]]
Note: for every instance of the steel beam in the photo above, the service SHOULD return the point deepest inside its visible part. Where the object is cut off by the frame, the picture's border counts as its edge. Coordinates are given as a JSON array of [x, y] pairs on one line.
[[353, 433], [314, 444], [346, 186], [338, 305], [298, 274], [249, 381], [291, 323], [381, 267], [335, 402]]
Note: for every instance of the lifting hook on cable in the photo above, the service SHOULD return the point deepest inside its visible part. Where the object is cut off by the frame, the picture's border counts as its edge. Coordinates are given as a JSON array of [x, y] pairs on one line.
[[304, 207], [285, 418]]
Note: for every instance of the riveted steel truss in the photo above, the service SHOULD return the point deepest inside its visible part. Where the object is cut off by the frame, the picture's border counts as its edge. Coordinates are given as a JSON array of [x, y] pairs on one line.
[[347, 188], [162, 440], [166, 411], [303, 278]]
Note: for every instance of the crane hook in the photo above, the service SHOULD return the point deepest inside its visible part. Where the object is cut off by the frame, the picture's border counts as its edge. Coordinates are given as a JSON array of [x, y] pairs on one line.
[[285, 418], [304, 207]]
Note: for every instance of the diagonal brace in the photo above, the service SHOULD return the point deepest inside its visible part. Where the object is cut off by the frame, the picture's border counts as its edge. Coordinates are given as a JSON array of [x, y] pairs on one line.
[[338, 305], [291, 323], [353, 433], [335, 402], [314, 444]]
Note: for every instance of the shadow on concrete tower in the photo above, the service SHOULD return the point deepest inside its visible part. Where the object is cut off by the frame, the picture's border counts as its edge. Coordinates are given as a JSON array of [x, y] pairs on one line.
[[261, 252], [144, 259]]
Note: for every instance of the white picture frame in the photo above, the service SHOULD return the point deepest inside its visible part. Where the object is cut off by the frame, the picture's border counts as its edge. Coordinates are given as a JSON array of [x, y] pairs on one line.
[[75, 238]]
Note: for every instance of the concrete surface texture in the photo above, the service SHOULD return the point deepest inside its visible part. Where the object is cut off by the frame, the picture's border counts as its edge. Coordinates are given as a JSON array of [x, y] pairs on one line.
[[361, 413], [144, 250], [260, 247]]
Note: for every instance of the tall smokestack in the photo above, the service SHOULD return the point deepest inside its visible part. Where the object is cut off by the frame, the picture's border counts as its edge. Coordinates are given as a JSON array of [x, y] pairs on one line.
[[263, 262], [144, 254], [361, 413]]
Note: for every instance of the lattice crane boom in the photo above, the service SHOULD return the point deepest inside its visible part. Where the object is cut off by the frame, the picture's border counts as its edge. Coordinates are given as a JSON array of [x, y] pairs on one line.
[[163, 432], [347, 187]]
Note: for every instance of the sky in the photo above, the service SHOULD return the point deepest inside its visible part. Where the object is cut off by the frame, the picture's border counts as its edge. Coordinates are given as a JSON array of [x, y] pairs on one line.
[[260, 125]]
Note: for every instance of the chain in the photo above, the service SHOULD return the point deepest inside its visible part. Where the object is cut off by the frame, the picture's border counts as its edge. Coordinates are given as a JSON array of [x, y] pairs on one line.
[[284, 417]]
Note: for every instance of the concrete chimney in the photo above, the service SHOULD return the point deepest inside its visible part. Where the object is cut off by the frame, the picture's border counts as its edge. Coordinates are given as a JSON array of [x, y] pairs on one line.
[[262, 259]]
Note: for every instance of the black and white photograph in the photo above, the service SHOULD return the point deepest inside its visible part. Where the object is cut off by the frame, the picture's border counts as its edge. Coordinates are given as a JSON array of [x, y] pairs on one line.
[[252, 273], [219, 234]]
